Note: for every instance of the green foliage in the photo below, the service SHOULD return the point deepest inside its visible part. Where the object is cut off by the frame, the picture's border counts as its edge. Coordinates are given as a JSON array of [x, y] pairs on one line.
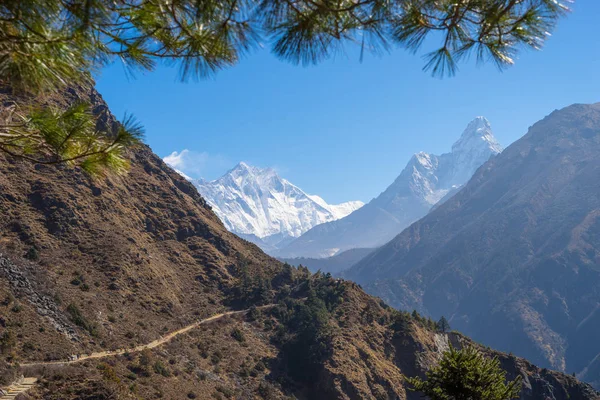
[[467, 375], [7, 341], [108, 373], [425, 322], [143, 365], [145, 358], [48, 45], [254, 313], [401, 322], [79, 320], [160, 369], [52, 135], [33, 253], [253, 289], [238, 335], [443, 325], [305, 332], [56, 42]]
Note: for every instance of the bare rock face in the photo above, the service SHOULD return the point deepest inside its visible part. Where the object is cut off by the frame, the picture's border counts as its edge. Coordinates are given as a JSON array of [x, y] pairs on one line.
[[513, 257]]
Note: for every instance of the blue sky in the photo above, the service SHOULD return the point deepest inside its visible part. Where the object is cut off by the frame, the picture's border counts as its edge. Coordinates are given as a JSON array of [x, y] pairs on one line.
[[345, 129]]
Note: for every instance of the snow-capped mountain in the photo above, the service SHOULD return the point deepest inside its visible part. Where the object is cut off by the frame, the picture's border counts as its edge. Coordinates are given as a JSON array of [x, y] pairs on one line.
[[259, 205], [431, 177], [426, 180]]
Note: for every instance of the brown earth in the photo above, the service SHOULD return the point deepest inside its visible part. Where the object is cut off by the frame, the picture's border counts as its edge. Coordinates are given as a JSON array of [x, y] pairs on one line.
[[95, 265]]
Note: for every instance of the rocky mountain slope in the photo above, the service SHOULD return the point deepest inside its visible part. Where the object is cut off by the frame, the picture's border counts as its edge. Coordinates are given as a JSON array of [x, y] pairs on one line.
[[257, 204], [94, 265], [425, 180], [513, 258]]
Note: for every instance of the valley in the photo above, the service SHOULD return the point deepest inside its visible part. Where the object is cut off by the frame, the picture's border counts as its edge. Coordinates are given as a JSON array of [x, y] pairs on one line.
[[90, 289], [255, 227]]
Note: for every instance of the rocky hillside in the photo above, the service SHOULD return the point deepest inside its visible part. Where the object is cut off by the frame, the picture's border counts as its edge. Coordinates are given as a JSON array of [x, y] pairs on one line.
[[426, 179], [96, 265], [512, 258]]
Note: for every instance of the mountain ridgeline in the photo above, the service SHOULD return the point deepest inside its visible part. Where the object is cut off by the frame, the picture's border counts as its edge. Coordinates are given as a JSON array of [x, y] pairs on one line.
[[426, 179], [514, 257], [96, 265], [260, 206]]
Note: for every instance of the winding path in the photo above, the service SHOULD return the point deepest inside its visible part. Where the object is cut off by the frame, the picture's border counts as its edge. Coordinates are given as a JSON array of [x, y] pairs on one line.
[[137, 349], [27, 383]]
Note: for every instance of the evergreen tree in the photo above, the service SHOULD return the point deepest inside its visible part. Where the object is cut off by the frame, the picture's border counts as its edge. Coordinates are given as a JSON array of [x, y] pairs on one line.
[[50, 44], [416, 316], [467, 375], [443, 325]]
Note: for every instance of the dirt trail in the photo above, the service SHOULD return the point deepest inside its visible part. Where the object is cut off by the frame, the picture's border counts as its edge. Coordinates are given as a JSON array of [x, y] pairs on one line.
[[17, 388], [151, 345]]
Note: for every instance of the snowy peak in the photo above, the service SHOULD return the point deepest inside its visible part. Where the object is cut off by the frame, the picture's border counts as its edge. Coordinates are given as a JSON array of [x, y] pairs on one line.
[[338, 210], [477, 136], [257, 203], [475, 146], [429, 177], [426, 160]]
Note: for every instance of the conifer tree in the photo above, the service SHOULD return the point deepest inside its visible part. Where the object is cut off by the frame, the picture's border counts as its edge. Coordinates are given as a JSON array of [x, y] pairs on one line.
[[466, 374], [50, 44], [443, 325]]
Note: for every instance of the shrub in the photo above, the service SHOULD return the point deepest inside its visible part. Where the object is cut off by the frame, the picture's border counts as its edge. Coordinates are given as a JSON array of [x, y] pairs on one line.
[[160, 369], [260, 366], [467, 374], [32, 254], [79, 320], [7, 342], [216, 357], [238, 335], [254, 313], [227, 392]]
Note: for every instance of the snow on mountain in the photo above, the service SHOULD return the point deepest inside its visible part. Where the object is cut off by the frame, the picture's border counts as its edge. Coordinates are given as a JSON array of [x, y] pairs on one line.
[[426, 180], [338, 210], [431, 177], [259, 205]]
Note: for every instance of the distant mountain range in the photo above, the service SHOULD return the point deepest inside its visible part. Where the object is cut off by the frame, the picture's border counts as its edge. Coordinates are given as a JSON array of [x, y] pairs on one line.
[[260, 206], [335, 265], [426, 179], [513, 259]]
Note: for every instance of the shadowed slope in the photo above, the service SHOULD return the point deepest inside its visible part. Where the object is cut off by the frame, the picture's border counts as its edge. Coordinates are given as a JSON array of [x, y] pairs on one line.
[[513, 257]]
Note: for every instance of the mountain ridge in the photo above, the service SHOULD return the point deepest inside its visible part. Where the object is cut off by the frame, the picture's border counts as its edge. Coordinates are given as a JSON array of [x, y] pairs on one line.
[[266, 209], [425, 180], [94, 265], [512, 258]]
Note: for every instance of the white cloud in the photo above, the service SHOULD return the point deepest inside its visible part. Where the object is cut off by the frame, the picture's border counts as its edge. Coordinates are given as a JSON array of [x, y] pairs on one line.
[[197, 164], [175, 159]]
